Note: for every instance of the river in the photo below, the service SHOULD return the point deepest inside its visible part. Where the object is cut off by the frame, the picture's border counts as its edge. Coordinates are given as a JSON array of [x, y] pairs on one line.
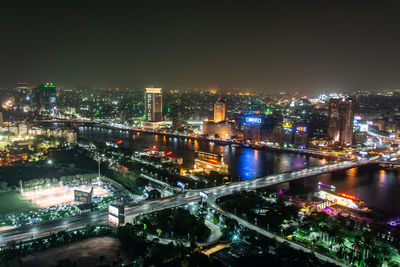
[[379, 188], [245, 163]]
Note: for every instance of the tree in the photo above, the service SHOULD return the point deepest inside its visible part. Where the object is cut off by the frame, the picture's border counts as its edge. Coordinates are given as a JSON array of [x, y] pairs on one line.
[[3, 185], [154, 194], [340, 241]]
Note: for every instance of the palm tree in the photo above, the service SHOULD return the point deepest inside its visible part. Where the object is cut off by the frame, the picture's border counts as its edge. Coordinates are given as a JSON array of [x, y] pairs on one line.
[[340, 241], [385, 252], [368, 241], [356, 245]]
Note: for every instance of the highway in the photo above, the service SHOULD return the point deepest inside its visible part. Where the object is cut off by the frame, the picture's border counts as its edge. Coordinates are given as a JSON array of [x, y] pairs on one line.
[[211, 203], [76, 222]]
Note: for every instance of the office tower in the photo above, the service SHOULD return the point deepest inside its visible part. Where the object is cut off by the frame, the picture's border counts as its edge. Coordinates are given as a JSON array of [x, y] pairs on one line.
[[301, 136], [153, 104], [219, 110], [341, 116], [45, 96], [23, 94]]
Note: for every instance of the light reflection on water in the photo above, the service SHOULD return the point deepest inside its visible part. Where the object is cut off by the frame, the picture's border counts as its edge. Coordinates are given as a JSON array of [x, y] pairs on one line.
[[246, 163], [380, 189]]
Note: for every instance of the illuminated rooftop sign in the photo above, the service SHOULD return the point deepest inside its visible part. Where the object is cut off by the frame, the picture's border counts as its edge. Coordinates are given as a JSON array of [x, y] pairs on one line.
[[253, 120], [349, 196], [287, 125], [364, 128], [301, 129]]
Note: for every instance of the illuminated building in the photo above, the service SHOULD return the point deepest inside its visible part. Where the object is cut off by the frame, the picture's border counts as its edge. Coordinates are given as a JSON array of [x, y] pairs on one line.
[[71, 137], [208, 162], [251, 129], [223, 129], [283, 134], [341, 199], [22, 129], [360, 138], [23, 94], [219, 126], [153, 104], [341, 117], [45, 96], [301, 136], [219, 110]]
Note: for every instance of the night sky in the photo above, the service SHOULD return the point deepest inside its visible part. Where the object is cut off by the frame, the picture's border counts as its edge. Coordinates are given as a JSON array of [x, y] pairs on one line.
[[310, 45]]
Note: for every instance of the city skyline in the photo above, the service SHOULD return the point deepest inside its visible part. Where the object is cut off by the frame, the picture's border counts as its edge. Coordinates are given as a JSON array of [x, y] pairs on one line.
[[199, 133], [304, 46]]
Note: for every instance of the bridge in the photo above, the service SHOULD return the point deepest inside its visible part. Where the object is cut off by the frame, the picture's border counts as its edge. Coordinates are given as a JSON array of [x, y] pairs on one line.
[[76, 222], [383, 137]]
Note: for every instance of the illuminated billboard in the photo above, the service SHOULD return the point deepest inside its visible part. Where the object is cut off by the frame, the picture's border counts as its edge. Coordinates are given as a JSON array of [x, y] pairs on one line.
[[287, 125], [253, 120], [82, 196], [113, 219], [363, 127], [116, 213], [301, 129], [113, 210]]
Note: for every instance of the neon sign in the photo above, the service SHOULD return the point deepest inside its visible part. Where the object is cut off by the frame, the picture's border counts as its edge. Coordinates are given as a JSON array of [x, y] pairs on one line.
[[287, 125], [301, 129], [349, 196], [364, 128], [253, 120]]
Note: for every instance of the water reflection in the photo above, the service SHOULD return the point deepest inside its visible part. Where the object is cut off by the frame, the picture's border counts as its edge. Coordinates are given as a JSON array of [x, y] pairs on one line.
[[380, 189], [246, 163]]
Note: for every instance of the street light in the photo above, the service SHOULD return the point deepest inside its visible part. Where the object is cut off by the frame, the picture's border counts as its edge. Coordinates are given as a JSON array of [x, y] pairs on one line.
[[98, 161]]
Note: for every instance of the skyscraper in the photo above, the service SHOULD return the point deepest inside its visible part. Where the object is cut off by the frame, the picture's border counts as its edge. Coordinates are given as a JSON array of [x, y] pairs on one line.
[[153, 104], [219, 109], [45, 96], [341, 116]]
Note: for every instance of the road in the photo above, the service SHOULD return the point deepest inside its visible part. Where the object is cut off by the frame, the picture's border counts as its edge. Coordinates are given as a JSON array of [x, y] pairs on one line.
[[211, 203], [76, 222], [70, 223], [27, 232]]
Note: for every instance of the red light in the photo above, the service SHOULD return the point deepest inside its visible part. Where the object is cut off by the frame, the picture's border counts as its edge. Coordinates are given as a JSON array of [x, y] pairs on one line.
[[349, 196], [119, 142], [168, 153]]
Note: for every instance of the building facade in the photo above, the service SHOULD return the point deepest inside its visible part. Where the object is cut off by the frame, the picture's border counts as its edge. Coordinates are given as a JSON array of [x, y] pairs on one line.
[[153, 104], [341, 117], [45, 96], [219, 110]]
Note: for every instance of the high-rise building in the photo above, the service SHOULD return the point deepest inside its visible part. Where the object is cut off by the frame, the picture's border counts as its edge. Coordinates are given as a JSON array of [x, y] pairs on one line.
[[45, 96], [341, 116], [153, 104], [219, 110], [301, 136], [23, 94]]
